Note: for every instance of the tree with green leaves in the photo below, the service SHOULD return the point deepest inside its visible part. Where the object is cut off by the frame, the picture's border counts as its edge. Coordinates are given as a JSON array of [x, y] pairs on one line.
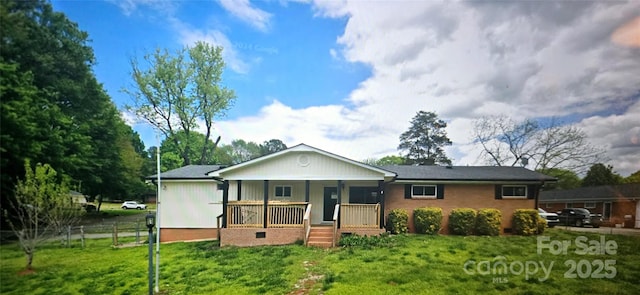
[[567, 179], [180, 91], [41, 208], [425, 140], [633, 178], [272, 146], [242, 151], [53, 109], [601, 174], [385, 161]]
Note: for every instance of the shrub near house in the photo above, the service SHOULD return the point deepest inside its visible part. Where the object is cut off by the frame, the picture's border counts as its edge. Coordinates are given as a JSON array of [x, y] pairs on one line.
[[427, 220], [462, 221], [488, 222]]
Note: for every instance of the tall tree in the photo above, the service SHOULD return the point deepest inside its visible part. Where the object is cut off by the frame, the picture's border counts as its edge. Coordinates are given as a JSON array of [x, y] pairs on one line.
[[425, 140], [600, 174], [506, 142], [178, 91], [272, 146], [53, 109]]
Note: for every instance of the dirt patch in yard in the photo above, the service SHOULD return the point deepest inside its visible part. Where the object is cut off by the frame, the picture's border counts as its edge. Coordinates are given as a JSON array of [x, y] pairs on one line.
[[311, 283]]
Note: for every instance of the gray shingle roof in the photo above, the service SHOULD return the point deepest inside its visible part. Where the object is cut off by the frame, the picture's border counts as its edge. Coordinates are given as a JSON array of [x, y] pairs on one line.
[[594, 193], [188, 172], [466, 173]]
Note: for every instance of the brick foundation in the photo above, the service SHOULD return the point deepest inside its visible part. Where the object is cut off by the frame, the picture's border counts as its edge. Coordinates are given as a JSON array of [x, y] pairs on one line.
[[187, 234], [245, 237]]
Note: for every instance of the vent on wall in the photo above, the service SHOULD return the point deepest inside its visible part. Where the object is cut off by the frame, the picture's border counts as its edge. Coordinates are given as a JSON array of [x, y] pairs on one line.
[[261, 235]]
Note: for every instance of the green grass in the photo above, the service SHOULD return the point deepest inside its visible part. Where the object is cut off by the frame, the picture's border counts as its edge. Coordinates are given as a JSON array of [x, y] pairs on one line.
[[414, 264]]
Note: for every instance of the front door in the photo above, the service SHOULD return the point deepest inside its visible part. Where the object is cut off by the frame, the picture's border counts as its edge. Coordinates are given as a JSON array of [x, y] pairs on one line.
[[330, 201]]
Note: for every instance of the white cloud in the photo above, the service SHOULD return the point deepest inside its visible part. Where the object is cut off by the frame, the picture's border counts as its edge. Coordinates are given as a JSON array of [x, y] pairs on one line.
[[128, 7], [189, 37], [469, 59], [466, 60], [243, 10]]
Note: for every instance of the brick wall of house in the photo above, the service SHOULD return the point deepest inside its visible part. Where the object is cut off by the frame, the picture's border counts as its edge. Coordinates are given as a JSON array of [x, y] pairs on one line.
[[244, 237], [187, 234], [476, 196]]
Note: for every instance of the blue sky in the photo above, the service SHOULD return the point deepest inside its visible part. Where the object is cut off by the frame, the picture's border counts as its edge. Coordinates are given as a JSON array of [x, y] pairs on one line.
[[348, 76]]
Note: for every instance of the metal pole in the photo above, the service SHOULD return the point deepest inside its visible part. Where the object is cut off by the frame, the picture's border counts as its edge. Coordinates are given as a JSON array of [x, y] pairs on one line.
[[158, 220], [150, 261]]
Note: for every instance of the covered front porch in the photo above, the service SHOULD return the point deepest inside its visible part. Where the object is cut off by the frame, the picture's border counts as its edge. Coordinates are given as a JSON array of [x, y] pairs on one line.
[[300, 195], [318, 218]]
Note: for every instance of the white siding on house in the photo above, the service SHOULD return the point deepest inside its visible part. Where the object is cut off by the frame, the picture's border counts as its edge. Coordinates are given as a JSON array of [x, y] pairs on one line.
[[253, 191], [190, 204], [302, 166]]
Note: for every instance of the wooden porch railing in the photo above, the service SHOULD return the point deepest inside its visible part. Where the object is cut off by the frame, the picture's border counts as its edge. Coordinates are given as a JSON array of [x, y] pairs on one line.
[[307, 224], [360, 216], [248, 214], [285, 214]]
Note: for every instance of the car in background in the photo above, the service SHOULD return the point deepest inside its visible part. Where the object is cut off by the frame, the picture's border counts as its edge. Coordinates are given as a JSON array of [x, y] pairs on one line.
[[133, 205], [551, 218], [579, 217]]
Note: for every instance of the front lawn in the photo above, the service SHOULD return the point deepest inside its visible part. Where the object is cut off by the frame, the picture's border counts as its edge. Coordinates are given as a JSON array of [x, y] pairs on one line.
[[407, 265]]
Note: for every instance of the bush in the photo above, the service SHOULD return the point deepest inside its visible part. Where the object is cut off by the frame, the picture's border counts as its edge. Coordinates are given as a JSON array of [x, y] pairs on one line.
[[368, 242], [427, 220], [528, 222], [488, 222], [398, 221], [462, 221]]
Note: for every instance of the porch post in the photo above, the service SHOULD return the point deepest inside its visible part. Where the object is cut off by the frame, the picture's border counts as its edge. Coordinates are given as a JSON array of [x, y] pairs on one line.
[[306, 190], [266, 203], [225, 202], [339, 191], [239, 189], [339, 199], [381, 200]]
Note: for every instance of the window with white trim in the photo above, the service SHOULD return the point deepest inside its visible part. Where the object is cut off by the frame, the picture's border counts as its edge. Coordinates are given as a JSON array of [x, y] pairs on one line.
[[589, 205], [282, 191], [514, 191], [424, 191], [548, 205]]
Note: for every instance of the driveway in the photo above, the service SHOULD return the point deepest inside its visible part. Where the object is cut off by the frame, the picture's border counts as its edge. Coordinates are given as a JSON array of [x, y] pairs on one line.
[[604, 230]]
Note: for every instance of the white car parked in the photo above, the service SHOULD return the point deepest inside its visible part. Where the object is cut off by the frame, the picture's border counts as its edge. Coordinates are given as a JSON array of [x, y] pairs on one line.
[[551, 218], [133, 205]]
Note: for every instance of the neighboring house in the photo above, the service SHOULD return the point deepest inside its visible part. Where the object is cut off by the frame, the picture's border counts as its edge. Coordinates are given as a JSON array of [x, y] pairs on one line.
[[618, 204], [310, 195]]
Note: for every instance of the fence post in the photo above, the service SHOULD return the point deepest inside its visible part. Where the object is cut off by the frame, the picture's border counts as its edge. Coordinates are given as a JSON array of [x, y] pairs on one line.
[[82, 235], [115, 233], [68, 236], [137, 231]]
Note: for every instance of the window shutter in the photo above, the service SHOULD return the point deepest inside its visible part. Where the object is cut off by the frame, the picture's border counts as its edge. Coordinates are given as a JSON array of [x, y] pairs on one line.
[[407, 191], [532, 191], [440, 191], [498, 192]]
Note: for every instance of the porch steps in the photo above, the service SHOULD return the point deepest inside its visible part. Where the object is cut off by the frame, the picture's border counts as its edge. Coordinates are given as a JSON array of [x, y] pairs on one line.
[[320, 236]]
